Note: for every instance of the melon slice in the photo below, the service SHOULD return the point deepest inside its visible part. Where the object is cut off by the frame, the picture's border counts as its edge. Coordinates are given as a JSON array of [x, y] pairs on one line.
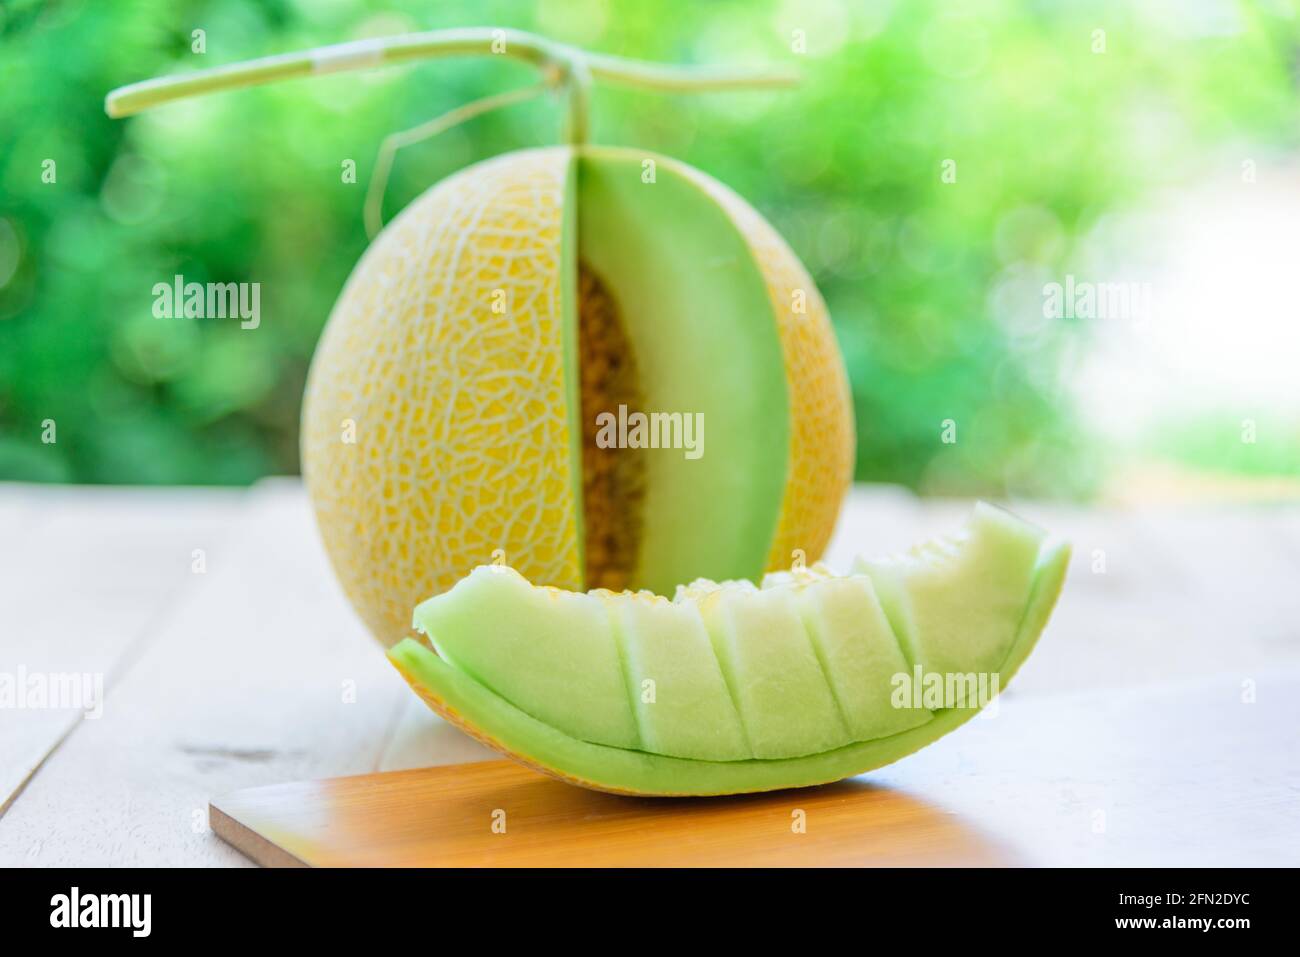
[[952, 601], [549, 651], [681, 700], [783, 696], [858, 652], [797, 690]]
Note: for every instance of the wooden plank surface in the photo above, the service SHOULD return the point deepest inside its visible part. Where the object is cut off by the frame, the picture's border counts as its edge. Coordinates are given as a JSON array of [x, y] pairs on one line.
[[256, 672], [1196, 775], [260, 674], [84, 576]]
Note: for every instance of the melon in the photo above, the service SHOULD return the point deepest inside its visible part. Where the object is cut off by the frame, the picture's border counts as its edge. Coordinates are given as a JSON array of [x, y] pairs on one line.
[[597, 364], [475, 440], [730, 687], [456, 401], [927, 592]]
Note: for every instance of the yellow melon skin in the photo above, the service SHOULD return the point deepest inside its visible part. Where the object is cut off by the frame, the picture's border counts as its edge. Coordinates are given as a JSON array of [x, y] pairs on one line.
[[437, 422], [461, 431]]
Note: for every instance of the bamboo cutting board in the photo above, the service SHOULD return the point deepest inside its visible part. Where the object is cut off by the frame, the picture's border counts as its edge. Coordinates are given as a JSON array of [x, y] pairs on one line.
[[498, 813], [1195, 774]]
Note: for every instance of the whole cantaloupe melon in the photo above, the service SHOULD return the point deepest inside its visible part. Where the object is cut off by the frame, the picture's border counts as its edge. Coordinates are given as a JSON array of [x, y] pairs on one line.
[[452, 406]]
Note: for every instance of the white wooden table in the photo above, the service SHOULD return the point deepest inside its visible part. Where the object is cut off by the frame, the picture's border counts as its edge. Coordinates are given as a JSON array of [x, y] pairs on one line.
[[230, 659]]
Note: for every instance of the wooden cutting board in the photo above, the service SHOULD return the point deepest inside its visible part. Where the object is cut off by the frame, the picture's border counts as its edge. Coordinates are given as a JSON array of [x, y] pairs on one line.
[[1206, 773], [498, 813]]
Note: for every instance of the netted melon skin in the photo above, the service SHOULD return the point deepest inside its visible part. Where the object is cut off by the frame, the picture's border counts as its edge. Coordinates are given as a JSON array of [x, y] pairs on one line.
[[459, 410]]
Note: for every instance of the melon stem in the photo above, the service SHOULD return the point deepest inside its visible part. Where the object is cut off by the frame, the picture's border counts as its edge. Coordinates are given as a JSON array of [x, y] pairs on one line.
[[578, 86], [560, 65], [373, 213]]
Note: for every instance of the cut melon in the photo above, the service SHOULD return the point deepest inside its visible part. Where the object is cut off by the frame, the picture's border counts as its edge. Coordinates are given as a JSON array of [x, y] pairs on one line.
[[949, 600], [453, 405], [549, 651], [858, 652], [681, 700], [787, 685], [785, 702], [684, 302]]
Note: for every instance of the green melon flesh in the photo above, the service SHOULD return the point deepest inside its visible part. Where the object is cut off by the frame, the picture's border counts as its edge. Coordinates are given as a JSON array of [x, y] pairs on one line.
[[688, 291], [753, 689], [772, 671], [549, 651], [682, 704], [858, 653], [954, 602]]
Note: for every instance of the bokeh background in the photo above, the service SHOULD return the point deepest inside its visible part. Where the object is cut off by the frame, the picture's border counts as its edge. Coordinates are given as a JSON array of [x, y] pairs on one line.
[[1154, 143]]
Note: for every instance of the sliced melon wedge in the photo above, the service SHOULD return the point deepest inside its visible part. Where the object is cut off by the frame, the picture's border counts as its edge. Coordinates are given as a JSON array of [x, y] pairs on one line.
[[551, 652], [858, 653], [681, 699], [772, 671], [731, 688], [949, 600]]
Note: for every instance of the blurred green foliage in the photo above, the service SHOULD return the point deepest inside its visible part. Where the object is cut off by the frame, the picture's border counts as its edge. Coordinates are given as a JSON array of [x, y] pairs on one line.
[[1048, 136]]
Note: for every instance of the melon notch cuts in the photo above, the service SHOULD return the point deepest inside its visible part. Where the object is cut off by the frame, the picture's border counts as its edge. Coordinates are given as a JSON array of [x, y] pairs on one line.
[[731, 687]]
